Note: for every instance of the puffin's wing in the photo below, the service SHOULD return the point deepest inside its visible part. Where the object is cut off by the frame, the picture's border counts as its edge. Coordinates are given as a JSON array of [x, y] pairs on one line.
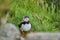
[[20, 25]]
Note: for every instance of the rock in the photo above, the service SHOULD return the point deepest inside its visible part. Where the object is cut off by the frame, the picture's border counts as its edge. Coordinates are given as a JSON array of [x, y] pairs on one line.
[[21, 38], [9, 32], [43, 36]]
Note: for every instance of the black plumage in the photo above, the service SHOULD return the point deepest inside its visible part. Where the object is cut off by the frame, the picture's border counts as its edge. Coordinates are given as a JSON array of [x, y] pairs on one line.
[[23, 23]]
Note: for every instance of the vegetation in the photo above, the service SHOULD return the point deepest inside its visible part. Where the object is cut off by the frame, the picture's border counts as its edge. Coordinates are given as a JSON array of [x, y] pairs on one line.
[[43, 17]]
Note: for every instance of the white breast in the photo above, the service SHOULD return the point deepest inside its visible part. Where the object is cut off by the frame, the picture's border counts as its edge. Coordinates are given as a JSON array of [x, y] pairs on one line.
[[26, 27]]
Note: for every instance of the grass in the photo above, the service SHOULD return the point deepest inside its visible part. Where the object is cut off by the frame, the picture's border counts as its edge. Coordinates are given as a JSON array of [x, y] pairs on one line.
[[42, 17]]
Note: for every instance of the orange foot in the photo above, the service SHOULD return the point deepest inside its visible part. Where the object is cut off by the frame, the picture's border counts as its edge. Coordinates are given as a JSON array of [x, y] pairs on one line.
[[23, 34], [31, 32]]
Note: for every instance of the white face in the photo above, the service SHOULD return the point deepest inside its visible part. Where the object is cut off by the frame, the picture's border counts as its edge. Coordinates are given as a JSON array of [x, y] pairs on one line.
[[26, 19]]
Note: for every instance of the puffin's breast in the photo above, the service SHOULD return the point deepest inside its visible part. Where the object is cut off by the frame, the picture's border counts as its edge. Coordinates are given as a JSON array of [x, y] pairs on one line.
[[26, 27]]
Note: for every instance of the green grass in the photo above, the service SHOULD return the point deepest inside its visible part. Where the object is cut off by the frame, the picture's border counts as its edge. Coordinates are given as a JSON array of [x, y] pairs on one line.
[[42, 17]]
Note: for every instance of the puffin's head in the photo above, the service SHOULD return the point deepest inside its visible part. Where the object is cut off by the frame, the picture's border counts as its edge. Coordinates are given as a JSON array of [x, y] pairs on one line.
[[26, 18]]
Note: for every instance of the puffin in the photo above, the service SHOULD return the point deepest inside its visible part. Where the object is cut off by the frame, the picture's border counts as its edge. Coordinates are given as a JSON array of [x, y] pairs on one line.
[[25, 25]]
